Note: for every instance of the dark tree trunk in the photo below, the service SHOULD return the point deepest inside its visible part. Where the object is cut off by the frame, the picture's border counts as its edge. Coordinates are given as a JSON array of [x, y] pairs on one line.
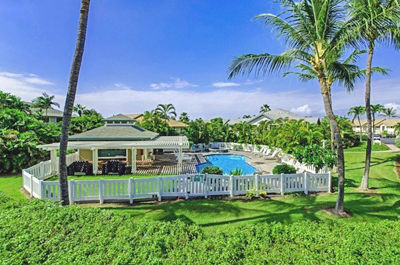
[[361, 131], [70, 99], [339, 208], [365, 179]]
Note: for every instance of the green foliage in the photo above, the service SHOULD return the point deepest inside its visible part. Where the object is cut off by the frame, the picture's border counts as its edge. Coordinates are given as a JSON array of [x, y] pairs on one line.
[[236, 172], [214, 170], [398, 142], [285, 169], [154, 122], [37, 232], [361, 147], [315, 155], [85, 123], [12, 102], [349, 138]]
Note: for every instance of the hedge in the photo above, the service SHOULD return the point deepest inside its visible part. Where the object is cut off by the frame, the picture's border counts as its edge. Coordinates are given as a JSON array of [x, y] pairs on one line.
[[285, 169], [38, 232]]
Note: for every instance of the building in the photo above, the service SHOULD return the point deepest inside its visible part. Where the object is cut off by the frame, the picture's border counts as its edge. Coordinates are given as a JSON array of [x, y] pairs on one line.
[[50, 115], [177, 125], [382, 126], [272, 115]]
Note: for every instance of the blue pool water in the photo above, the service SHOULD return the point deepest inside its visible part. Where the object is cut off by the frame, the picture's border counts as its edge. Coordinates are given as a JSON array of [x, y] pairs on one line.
[[227, 163]]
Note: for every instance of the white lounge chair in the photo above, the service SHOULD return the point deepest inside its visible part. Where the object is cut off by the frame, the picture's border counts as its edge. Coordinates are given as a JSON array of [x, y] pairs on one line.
[[272, 156], [259, 152]]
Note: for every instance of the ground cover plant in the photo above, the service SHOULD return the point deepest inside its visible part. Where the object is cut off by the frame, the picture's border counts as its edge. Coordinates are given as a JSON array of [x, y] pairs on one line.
[[78, 235]]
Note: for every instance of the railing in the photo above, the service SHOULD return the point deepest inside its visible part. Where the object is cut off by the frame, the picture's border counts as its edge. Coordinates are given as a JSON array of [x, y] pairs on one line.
[[201, 185]]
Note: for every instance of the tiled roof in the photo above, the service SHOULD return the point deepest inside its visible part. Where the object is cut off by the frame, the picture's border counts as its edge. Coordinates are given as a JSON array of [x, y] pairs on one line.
[[119, 117], [115, 133]]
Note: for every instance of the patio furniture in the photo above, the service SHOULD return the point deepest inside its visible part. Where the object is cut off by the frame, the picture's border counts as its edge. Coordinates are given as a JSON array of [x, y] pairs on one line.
[[144, 163], [113, 166], [81, 167]]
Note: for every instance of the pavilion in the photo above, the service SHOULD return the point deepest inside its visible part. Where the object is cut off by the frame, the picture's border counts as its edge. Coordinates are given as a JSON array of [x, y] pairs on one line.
[[119, 139]]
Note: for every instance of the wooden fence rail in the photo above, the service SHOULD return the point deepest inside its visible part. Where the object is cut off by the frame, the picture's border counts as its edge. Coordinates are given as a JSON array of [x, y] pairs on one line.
[[194, 185]]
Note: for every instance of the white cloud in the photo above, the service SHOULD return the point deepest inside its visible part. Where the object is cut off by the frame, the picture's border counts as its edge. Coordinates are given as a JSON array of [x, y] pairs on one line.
[[225, 84], [393, 105], [177, 83], [304, 110]]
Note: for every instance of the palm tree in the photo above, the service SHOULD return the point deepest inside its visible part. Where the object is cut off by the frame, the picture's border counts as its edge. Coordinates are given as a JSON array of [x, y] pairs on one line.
[[316, 38], [80, 109], [389, 112], [397, 128], [246, 116], [44, 102], [166, 111], [184, 117], [265, 108], [356, 112], [375, 109], [69, 101], [374, 21]]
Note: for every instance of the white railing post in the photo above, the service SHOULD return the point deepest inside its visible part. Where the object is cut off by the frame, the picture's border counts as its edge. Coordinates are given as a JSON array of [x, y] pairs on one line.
[[41, 187], [100, 187], [256, 183], [31, 180], [70, 191], [160, 186], [186, 186], [231, 184], [305, 183], [132, 190], [206, 186], [329, 182], [282, 184]]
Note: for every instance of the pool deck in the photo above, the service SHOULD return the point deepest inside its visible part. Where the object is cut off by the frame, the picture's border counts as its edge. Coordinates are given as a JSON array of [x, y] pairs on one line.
[[264, 166]]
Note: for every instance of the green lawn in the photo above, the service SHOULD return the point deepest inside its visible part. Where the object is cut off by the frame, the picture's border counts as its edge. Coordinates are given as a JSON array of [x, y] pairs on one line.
[[383, 202], [362, 147]]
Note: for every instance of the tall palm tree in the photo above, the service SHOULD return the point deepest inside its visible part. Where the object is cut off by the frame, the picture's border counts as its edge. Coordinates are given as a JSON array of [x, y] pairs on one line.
[[315, 36], [356, 112], [184, 117], [45, 102], [389, 112], [80, 109], [70, 99], [374, 21], [375, 109], [265, 108], [166, 110]]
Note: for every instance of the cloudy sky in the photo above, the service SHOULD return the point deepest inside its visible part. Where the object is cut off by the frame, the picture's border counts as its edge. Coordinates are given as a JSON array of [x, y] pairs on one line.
[[141, 53]]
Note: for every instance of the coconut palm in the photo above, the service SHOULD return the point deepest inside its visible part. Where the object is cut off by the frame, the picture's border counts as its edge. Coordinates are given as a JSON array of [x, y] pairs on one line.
[[356, 112], [80, 109], [389, 112], [45, 102], [396, 128], [375, 109], [316, 38], [70, 99], [166, 111], [265, 108], [374, 21], [184, 117]]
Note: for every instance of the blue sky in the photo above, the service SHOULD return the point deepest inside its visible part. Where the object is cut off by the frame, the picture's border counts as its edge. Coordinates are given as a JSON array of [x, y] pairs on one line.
[[141, 53]]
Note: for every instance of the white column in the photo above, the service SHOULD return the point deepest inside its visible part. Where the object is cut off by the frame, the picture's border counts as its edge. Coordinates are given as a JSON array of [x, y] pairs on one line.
[[53, 159], [133, 164], [95, 160], [180, 160], [145, 153]]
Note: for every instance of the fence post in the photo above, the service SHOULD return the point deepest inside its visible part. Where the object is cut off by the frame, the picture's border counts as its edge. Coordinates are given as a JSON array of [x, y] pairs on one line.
[[282, 183], [41, 186], [101, 196], [70, 190], [132, 192], [31, 180], [186, 186], [329, 182], [256, 184], [206, 186], [231, 185], [305, 183], [160, 186]]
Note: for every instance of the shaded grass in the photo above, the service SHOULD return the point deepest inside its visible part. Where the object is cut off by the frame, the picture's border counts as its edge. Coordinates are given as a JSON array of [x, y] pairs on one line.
[[362, 147]]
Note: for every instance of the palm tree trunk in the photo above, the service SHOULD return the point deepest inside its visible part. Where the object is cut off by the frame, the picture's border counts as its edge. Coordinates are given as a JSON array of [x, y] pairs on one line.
[[365, 179], [361, 131], [70, 99], [330, 125], [339, 208]]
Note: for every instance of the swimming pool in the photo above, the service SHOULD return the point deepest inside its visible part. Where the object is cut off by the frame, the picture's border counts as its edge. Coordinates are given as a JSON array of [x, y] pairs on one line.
[[227, 163]]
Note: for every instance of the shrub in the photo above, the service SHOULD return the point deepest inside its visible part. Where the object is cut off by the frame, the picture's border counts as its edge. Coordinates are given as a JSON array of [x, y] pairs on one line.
[[285, 169], [236, 172], [38, 232], [398, 142], [212, 170]]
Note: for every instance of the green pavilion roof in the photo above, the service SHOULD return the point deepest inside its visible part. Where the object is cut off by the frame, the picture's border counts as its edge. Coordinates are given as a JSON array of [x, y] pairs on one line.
[[115, 133], [118, 118]]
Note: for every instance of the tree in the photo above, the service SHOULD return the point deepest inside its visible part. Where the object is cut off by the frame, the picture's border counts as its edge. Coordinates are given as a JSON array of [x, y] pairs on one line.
[[184, 118], [396, 128], [166, 111], [70, 99], [45, 102], [316, 37], [265, 108], [374, 21], [153, 121], [10, 101], [389, 112], [356, 112], [79, 109], [246, 116], [375, 109]]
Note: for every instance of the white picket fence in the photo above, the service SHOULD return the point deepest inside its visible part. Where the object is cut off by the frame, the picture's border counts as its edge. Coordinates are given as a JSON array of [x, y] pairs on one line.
[[201, 185]]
